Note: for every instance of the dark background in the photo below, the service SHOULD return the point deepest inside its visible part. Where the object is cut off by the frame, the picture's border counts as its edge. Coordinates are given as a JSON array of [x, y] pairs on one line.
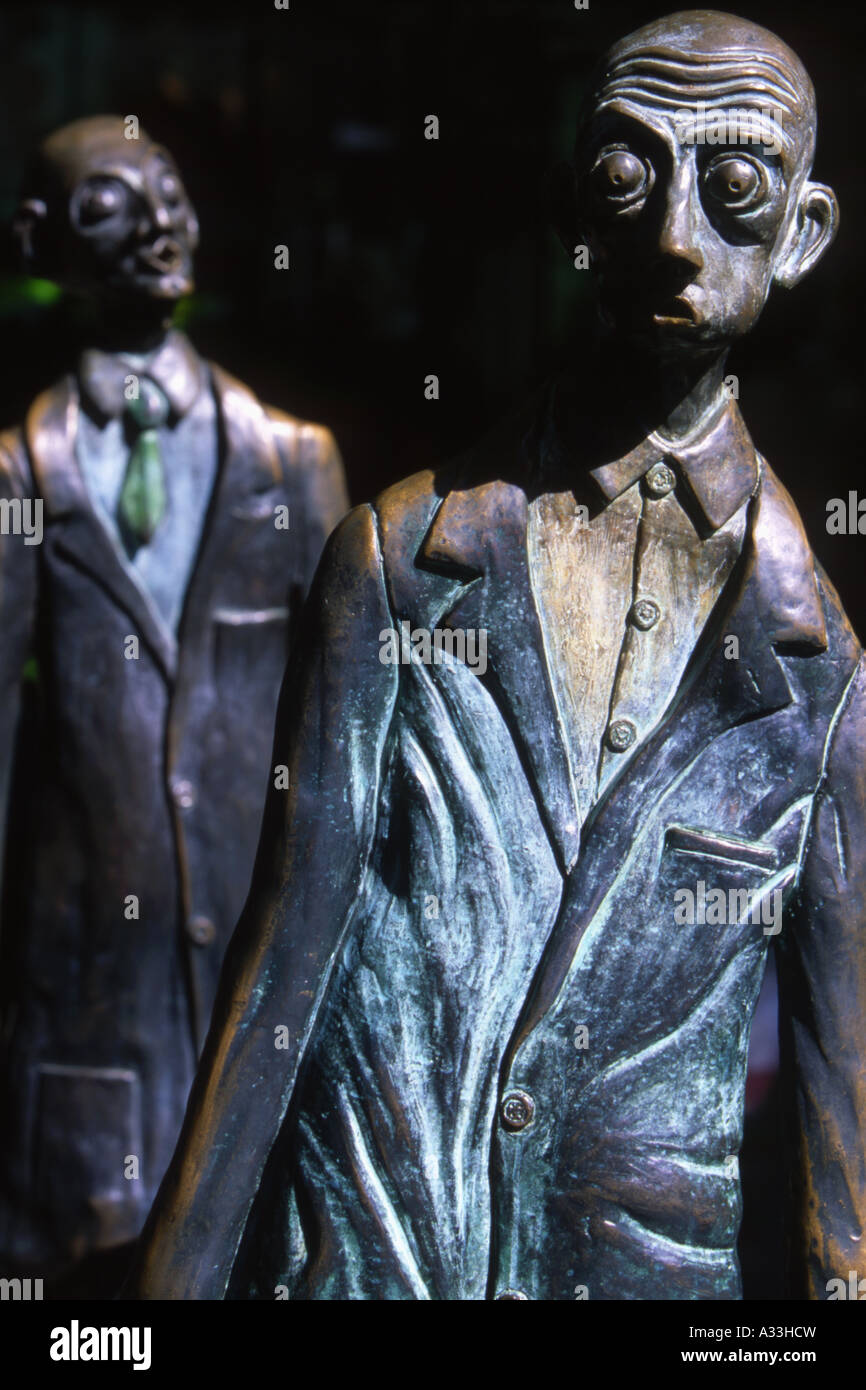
[[306, 128]]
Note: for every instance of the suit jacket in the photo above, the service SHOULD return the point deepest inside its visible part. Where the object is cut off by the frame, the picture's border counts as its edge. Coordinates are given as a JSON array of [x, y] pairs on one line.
[[134, 777], [624, 1184]]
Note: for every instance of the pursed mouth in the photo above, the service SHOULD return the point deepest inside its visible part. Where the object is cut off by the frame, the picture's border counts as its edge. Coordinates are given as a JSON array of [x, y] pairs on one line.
[[164, 256]]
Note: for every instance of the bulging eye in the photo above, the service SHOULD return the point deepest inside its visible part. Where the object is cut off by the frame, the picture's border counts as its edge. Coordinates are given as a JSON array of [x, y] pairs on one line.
[[169, 187], [98, 200], [735, 181], [620, 177]]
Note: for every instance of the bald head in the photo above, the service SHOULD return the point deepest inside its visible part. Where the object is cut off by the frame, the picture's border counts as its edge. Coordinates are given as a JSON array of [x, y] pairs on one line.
[[104, 211], [692, 189], [700, 60], [68, 154]]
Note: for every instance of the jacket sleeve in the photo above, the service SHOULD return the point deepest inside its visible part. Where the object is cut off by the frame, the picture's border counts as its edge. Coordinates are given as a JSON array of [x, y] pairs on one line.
[[327, 500], [823, 1022], [315, 476], [332, 726]]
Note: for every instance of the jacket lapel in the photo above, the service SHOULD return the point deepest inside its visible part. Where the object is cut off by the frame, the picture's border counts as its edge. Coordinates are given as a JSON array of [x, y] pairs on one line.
[[480, 533], [771, 602], [51, 430], [249, 468], [248, 472]]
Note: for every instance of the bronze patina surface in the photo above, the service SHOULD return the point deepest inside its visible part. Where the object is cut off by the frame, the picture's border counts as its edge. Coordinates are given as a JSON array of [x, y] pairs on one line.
[[483, 1027], [180, 524]]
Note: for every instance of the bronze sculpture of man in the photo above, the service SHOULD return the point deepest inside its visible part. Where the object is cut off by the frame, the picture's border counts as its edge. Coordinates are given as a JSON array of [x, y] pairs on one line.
[[483, 1027], [181, 521]]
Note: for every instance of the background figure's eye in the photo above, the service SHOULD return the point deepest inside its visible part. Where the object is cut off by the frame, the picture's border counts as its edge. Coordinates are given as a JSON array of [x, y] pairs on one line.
[[735, 181], [170, 187], [620, 177], [99, 199]]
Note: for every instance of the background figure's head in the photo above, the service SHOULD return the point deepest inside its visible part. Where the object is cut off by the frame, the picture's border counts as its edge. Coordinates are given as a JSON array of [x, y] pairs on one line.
[[104, 212], [691, 180]]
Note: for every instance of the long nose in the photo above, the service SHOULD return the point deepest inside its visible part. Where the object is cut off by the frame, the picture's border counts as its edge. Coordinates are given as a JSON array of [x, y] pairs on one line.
[[155, 214], [679, 235]]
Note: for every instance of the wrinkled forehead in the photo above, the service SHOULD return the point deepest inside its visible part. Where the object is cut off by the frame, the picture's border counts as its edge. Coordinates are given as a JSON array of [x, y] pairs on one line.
[[660, 80]]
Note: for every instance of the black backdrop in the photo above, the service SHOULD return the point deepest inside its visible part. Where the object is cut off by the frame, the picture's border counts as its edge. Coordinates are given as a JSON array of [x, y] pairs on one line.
[[305, 127]]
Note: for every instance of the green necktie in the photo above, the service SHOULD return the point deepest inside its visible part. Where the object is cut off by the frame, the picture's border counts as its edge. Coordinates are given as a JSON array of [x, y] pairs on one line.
[[142, 497]]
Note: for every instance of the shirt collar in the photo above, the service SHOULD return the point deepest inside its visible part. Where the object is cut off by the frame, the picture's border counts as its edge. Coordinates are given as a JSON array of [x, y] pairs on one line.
[[717, 467], [175, 367]]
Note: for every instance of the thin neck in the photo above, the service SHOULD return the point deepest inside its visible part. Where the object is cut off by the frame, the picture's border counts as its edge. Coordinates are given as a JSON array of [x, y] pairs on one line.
[[125, 326], [674, 396]]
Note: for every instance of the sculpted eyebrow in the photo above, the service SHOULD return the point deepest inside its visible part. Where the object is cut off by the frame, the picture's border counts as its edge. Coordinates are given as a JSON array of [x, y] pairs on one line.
[[612, 123]]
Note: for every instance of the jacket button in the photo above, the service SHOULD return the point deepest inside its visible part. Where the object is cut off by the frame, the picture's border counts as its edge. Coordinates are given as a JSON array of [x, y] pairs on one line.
[[660, 480], [512, 1293], [645, 613], [201, 931], [517, 1110], [621, 735], [182, 792]]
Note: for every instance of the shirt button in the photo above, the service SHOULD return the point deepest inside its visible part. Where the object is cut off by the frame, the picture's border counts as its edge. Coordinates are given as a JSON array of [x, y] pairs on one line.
[[517, 1110], [201, 931], [621, 735], [660, 480], [512, 1294], [645, 613], [183, 793]]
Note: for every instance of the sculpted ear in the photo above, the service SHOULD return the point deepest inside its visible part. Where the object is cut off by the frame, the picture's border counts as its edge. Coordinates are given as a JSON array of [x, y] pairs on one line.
[[812, 231], [27, 225]]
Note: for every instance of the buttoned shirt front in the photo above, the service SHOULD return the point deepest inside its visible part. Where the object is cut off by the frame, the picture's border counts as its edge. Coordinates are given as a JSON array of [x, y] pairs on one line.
[[623, 595], [161, 568]]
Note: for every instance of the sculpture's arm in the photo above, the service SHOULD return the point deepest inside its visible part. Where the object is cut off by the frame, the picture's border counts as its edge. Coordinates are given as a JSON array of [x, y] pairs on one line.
[[314, 471], [332, 727], [324, 479], [823, 1020]]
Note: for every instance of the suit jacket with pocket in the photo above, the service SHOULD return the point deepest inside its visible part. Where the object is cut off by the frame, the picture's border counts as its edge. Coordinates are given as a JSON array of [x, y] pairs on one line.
[[132, 778], [411, 783]]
